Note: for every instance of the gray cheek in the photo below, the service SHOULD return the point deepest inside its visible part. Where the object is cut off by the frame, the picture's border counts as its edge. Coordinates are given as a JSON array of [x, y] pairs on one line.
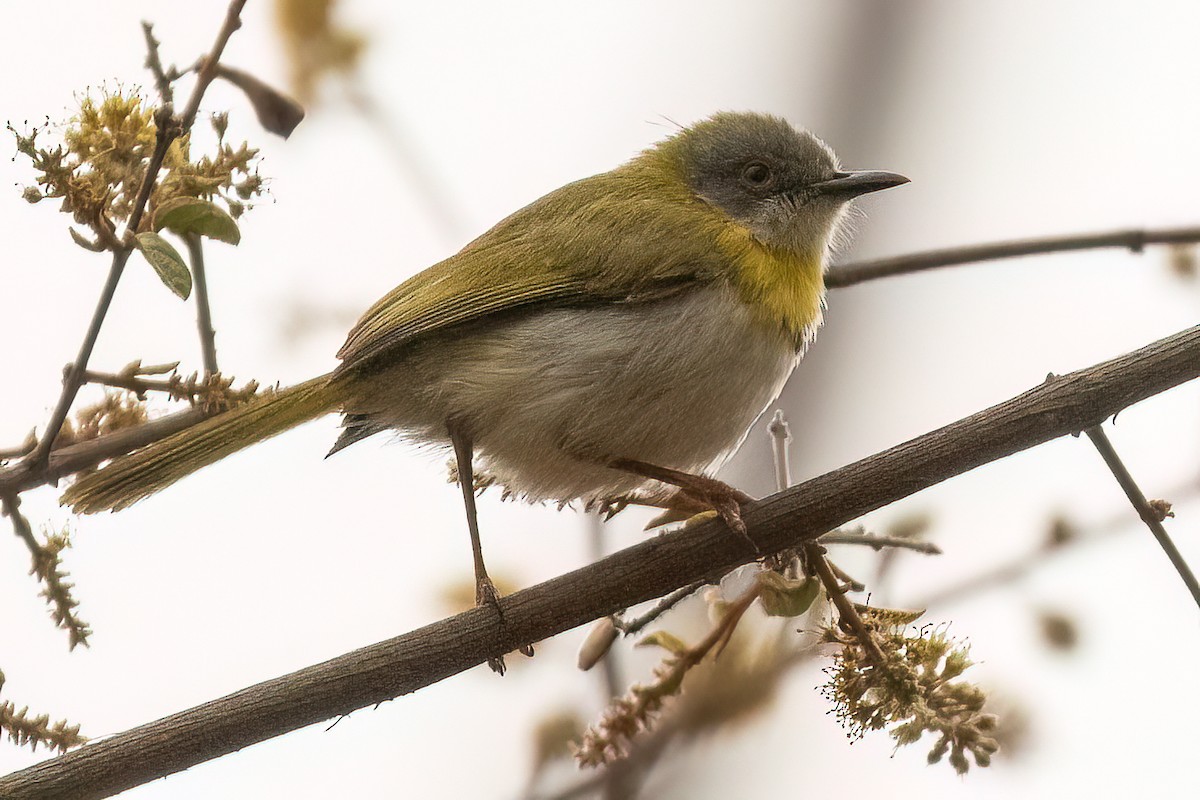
[[801, 228]]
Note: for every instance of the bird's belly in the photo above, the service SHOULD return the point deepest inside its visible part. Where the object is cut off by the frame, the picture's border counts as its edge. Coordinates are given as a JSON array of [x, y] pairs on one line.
[[552, 396]]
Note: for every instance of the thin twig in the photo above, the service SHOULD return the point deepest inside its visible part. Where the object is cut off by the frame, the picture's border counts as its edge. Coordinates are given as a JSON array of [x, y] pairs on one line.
[[1132, 239], [849, 617], [665, 604], [10, 505], [1152, 519], [168, 129], [208, 336], [206, 69], [1021, 565], [878, 542], [780, 436], [23, 449], [68, 460], [131, 381], [153, 63]]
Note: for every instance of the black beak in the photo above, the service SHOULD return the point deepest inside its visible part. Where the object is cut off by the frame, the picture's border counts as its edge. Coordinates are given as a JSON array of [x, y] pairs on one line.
[[845, 185]]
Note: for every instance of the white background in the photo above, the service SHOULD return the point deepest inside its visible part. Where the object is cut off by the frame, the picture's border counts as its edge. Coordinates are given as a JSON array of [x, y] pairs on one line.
[[1013, 119]]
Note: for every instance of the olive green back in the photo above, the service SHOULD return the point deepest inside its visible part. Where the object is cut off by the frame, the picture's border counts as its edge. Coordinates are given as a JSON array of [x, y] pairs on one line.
[[630, 235]]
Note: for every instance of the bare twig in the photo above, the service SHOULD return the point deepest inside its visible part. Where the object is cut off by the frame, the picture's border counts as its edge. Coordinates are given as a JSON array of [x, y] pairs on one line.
[[168, 129], [208, 336], [10, 505], [878, 542], [162, 83], [133, 382], [23, 449], [1149, 516], [1132, 239], [206, 69], [637, 574], [631, 626], [780, 436], [68, 460], [848, 615]]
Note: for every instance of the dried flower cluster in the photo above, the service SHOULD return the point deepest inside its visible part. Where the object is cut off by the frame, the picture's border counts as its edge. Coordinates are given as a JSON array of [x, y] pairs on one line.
[[609, 739], [99, 167], [116, 411], [213, 393], [47, 567], [914, 691], [626, 717], [24, 730]]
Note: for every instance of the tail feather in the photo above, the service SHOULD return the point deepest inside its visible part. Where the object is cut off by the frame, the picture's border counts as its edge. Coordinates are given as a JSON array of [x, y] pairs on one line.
[[355, 428], [140, 474]]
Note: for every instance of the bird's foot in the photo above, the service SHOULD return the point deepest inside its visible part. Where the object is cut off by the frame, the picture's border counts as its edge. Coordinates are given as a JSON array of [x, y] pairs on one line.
[[697, 493], [486, 594]]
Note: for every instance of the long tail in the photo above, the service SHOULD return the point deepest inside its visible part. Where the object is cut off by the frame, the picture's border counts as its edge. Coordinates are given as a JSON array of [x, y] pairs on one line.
[[155, 467]]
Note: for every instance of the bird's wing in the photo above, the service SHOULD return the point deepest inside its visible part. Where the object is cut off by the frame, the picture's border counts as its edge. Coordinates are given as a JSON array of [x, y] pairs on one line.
[[598, 240]]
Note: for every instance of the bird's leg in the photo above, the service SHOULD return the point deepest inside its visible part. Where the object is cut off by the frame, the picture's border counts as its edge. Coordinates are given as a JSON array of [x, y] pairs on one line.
[[697, 493], [485, 590]]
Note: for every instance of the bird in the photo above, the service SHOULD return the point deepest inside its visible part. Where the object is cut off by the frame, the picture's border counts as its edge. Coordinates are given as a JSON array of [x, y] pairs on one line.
[[611, 342]]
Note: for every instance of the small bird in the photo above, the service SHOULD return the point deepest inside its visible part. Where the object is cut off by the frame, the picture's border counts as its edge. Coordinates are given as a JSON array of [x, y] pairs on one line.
[[611, 342]]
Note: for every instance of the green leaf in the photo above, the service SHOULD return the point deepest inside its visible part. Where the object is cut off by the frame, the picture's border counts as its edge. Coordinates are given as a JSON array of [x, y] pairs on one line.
[[787, 597], [184, 215], [166, 262]]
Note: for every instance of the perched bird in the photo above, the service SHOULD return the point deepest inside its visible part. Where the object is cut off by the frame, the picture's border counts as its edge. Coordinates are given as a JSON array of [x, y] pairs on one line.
[[613, 341]]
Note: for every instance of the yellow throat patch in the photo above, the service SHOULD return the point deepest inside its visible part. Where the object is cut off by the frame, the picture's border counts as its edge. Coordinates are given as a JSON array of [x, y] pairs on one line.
[[785, 288]]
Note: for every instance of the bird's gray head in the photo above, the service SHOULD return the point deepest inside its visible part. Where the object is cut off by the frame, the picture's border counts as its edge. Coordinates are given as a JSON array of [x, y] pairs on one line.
[[782, 183]]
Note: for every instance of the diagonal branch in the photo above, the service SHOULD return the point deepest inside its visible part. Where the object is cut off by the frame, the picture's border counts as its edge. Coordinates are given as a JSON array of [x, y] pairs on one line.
[[1152, 518], [651, 569]]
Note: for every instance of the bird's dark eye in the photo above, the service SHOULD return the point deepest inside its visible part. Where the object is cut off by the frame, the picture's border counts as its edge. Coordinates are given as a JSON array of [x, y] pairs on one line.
[[756, 175]]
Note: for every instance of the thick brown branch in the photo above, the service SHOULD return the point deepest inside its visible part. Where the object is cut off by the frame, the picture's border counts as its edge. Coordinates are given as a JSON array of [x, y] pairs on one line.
[[1132, 239], [643, 572]]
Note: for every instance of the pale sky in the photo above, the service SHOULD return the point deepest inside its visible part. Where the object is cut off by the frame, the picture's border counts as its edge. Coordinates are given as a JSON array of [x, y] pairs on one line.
[[1013, 119]]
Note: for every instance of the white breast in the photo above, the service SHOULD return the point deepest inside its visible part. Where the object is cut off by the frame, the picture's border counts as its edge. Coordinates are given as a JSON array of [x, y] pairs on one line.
[[552, 396]]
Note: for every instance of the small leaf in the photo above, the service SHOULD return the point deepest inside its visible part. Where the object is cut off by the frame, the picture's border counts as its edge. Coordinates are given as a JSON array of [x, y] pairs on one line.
[[276, 112], [667, 641], [787, 597], [166, 262], [84, 242], [184, 215]]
